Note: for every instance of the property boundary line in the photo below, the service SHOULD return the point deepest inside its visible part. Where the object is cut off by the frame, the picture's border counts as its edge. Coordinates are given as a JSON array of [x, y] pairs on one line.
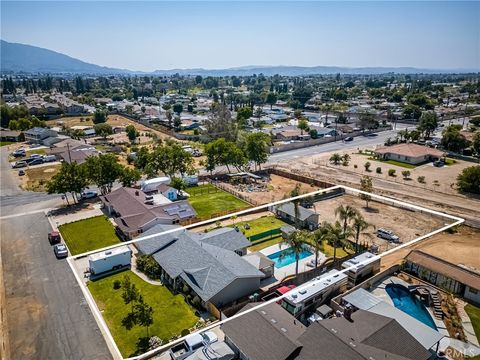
[[109, 338]]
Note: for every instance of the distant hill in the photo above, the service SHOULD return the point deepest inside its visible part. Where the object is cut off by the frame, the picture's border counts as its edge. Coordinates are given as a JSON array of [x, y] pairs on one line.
[[32, 59]]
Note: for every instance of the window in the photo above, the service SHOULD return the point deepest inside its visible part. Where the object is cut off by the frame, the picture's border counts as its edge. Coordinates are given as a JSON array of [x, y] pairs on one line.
[[472, 290]]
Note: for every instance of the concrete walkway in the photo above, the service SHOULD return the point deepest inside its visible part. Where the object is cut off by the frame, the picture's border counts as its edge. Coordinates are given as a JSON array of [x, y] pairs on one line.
[[466, 322]]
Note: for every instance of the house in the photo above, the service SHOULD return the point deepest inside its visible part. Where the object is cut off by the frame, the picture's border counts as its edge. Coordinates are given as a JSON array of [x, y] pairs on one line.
[[135, 212], [316, 292], [292, 134], [70, 150], [307, 218], [10, 135], [209, 263], [270, 333], [409, 153], [169, 192], [261, 263], [454, 278], [36, 135], [361, 267]]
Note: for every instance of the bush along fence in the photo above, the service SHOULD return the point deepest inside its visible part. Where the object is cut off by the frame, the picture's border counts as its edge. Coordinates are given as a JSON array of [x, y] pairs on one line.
[[263, 236]]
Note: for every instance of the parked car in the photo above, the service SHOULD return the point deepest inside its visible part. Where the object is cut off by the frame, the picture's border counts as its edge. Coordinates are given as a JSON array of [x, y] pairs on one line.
[[19, 153], [19, 164], [88, 195], [49, 158], [438, 163], [60, 251], [54, 238], [191, 344], [372, 135], [35, 161], [387, 235], [21, 172], [35, 156], [348, 138]]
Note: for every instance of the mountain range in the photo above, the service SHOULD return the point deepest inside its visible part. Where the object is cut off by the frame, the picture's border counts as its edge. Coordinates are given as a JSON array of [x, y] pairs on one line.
[[17, 58]]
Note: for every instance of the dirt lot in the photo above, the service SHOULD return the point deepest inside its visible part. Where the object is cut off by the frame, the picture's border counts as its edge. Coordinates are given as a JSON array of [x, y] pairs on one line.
[[438, 179], [462, 247], [113, 120], [35, 178], [406, 224], [277, 188]]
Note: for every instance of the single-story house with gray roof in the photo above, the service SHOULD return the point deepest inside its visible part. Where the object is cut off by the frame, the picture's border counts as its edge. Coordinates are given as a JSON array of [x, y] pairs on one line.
[[307, 218], [208, 263]]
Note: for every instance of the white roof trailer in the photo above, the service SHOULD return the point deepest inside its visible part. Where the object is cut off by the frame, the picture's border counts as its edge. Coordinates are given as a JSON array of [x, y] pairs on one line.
[[152, 184], [109, 260], [362, 266]]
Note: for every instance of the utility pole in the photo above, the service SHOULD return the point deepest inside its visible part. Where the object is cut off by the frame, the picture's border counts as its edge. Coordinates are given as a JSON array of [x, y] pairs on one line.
[[69, 155]]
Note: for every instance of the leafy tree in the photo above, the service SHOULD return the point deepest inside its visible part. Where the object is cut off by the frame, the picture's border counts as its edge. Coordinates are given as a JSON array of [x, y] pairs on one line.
[[130, 292], [71, 178], [335, 159], [103, 171], [345, 159], [178, 183], [178, 108], [421, 179], [128, 177], [313, 133], [367, 186], [367, 166], [257, 148], [302, 125], [406, 174], [243, 114], [469, 180], [99, 116], [359, 225], [427, 123], [391, 172], [453, 139], [143, 313], [132, 132], [476, 143], [271, 99], [220, 124], [103, 130], [170, 158], [367, 121]]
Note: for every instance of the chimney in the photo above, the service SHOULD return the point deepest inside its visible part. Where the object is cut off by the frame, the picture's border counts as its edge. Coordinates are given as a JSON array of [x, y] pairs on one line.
[[347, 313]]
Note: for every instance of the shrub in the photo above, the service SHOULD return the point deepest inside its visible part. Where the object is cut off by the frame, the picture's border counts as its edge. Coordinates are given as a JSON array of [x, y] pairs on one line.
[[148, 265], [185, 332], [469, 180], [406, 174], [367, 166], [117, 284], [421, 179], [379, 170], [355, 166], [196, 301], [391, 172]]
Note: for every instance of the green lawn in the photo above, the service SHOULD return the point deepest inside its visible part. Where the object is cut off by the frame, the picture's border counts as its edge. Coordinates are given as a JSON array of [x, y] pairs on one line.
[[396, 163], [260, 225], [474, 315], [89, 234], [207, 200], [5, 143], [265, 244], [171, 313]]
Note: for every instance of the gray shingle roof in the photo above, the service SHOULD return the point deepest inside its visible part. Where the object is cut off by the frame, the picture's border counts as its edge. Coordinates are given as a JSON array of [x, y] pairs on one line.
[[289, 209], [207, 267], [227, 238]]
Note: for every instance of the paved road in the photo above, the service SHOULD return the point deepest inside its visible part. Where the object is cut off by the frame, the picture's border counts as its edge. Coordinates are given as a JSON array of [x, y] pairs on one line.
[[46, 314]]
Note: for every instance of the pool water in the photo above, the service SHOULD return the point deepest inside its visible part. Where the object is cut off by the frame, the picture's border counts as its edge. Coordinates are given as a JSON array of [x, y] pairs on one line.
[[287, 256], [408, 303]]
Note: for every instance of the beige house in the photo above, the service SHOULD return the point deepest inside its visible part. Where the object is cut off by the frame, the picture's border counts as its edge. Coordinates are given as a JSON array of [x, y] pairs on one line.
[[409, 153]]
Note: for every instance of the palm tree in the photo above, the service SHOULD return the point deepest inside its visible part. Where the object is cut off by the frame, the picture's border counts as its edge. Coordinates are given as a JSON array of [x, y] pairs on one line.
[[296, 241], [318, 238], [337, 237], [346, 214], [294, 193], [359, 225]]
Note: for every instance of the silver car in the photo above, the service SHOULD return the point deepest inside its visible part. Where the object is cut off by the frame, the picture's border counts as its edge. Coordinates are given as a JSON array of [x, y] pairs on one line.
[[60, 251]]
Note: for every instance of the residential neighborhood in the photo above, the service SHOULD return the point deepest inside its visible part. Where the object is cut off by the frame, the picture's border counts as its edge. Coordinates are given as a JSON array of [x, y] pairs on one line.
[[163, 197]]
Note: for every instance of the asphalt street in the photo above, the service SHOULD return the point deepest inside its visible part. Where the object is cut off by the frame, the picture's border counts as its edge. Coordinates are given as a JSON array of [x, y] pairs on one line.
[[47, 316]]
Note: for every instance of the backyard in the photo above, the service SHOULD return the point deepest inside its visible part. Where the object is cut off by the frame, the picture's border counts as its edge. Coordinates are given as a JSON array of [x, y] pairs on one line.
[[171, 314], [474, 315], [208, 200], [89, 234]]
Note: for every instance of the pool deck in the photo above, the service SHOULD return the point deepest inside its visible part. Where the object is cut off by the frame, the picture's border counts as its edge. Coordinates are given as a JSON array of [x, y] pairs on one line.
[[379, 291], [287, 270]]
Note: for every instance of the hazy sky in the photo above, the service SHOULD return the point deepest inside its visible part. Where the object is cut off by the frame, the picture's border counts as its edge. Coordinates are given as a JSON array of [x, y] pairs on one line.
[[164, 35]]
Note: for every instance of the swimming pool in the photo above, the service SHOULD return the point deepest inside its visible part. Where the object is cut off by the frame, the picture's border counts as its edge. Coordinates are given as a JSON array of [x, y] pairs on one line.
[[408, 303], [287, 256]]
